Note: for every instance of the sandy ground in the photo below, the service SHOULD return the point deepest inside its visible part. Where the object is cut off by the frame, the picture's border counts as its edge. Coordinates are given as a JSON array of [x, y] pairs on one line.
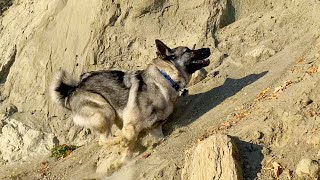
[[265, 93]]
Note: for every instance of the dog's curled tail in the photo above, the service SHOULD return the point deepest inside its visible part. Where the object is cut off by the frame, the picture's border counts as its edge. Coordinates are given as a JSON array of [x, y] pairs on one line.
[[61, 88]]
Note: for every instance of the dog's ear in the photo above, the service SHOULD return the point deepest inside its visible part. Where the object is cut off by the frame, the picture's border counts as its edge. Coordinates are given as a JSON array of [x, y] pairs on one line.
[[163, 51]]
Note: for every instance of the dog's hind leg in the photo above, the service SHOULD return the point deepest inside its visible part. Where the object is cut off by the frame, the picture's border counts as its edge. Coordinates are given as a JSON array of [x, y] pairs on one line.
[[131, 128], [103, 123], [98, 117], [103, 128]]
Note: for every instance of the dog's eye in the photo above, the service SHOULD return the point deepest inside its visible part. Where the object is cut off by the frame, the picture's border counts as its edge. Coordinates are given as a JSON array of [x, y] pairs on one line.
[[173, 57], [187, 50]]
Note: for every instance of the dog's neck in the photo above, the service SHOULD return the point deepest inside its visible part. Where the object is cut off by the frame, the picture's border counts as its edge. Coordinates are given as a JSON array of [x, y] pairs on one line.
[[172, 75], [173, 83]]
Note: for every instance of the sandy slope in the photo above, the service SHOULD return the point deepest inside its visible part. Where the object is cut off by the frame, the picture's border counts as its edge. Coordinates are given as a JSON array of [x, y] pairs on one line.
[[265, 93]]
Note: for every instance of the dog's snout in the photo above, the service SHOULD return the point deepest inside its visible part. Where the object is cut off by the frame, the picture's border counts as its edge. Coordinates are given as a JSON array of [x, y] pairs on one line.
[[206, 51]]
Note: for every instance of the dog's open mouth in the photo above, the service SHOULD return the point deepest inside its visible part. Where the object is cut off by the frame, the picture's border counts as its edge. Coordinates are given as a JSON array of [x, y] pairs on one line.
[[200, 57], [196, 65], [199, 61], [202, 62]]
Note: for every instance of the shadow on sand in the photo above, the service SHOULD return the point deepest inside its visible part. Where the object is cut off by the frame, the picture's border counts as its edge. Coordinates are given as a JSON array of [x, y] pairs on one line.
[[191, 107]]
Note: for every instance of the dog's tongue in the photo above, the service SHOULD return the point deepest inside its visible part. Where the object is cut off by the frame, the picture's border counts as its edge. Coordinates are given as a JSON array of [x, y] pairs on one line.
[[198, 64], [203, 62], [206, 62]]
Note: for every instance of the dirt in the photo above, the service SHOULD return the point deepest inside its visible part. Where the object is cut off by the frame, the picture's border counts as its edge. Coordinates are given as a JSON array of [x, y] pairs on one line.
[[262, 88]]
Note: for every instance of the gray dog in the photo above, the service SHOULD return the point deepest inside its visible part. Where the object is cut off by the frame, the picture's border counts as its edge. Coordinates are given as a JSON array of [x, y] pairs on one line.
[[134, 101]]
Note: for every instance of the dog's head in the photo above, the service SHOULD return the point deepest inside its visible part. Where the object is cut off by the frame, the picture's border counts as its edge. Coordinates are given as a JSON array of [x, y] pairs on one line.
[[186, 60]]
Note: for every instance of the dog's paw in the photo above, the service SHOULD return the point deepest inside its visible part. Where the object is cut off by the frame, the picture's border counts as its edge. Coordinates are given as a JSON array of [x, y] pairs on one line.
[[129, 132]]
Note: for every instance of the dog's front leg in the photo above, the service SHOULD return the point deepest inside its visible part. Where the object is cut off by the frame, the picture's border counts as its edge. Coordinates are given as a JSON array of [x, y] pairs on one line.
[[130, 133], [131, 119]]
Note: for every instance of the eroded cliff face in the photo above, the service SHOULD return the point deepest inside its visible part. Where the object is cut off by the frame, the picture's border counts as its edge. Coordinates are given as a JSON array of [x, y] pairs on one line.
[[38, 38], [263, 71]]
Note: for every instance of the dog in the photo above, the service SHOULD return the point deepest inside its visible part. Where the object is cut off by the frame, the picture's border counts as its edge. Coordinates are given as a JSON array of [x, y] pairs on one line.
[[134, 101]]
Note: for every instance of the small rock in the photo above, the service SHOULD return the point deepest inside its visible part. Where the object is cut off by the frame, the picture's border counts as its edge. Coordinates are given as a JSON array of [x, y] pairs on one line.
[[308, 168], [256, 135], [305, 101]]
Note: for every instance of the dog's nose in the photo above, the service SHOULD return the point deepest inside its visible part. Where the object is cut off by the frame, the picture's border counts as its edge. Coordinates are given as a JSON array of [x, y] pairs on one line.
[[207, 50]]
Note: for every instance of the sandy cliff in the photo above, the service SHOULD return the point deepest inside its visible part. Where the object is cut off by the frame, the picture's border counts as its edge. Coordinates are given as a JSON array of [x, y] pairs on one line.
[[262, 86]]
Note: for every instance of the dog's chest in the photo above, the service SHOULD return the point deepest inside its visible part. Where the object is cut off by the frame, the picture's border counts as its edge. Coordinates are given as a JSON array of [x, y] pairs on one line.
[[163, 103]]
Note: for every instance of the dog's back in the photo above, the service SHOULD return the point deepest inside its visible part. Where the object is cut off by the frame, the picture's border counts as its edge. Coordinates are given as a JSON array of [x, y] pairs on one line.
[[95, 100], [113, 86]]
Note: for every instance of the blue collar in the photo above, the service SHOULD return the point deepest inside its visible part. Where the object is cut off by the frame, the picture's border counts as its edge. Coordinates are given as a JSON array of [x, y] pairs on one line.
[[173, 83]]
